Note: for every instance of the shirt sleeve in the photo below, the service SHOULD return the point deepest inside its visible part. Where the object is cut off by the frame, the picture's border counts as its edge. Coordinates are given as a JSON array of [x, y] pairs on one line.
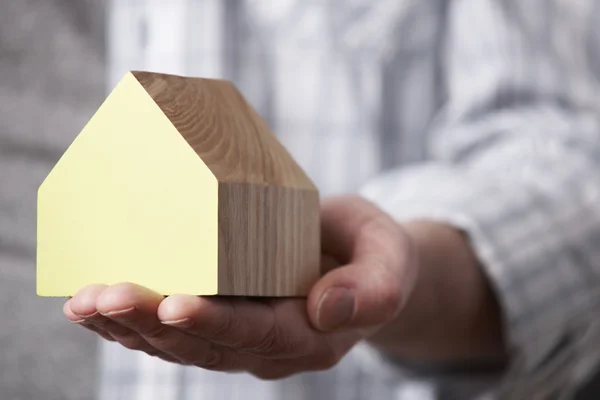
[[515, 163]]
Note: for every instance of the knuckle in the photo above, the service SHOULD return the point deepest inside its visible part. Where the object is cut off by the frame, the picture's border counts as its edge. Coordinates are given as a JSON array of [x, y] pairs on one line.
[[376, 225]]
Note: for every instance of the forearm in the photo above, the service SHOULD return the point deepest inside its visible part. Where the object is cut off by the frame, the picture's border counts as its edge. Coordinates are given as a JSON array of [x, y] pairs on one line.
[[514, 161], [452, 314]]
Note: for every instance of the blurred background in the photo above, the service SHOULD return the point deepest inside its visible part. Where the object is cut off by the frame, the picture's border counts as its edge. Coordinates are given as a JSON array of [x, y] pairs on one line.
[[52, 79]]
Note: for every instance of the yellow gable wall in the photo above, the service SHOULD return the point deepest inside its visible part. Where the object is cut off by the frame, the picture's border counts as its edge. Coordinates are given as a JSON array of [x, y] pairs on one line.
[[128, 201]]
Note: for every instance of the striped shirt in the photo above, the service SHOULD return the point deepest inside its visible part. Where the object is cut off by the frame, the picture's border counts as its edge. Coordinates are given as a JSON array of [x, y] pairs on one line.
[[482, 114]]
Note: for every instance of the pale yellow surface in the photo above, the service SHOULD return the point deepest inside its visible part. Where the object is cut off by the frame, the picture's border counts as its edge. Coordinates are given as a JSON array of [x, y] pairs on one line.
[[128, 201]]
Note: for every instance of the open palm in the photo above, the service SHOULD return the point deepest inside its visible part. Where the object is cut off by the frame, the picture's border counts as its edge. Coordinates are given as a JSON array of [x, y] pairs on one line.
[[270, 338]]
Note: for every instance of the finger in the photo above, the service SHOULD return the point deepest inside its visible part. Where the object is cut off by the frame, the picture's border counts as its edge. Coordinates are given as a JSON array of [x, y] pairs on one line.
[[81, 322], [136, 307], [83, 305], [270, 329], [69, 314], [373, 287], [82, 309], [237, 323], [341, 219]]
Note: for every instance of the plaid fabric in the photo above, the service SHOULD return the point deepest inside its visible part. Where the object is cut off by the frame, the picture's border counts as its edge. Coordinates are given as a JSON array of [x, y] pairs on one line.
[[479, 113]]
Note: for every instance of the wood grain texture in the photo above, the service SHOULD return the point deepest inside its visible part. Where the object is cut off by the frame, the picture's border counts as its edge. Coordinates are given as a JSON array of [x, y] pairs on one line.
[[224, 130], [269, 240], [268, 209]]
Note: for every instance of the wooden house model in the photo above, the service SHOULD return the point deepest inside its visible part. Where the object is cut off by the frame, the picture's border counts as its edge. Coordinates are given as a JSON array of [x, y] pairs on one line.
[[178, 185]]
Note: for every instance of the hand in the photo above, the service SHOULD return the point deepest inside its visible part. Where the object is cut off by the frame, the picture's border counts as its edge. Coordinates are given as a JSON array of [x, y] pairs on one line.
[[271, 338]]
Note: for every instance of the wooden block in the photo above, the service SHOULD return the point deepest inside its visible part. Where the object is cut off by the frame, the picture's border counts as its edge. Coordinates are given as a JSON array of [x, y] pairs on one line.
[[178, 185]]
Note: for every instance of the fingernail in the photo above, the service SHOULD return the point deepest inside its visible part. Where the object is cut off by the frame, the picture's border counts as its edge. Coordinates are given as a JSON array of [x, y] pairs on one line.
[[179, 323], [335, 308], [86, 316], [79, 321], [118, 313]]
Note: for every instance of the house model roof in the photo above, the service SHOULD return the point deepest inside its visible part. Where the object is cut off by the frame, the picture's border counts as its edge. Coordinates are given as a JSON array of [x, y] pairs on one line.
[[224, 130]]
